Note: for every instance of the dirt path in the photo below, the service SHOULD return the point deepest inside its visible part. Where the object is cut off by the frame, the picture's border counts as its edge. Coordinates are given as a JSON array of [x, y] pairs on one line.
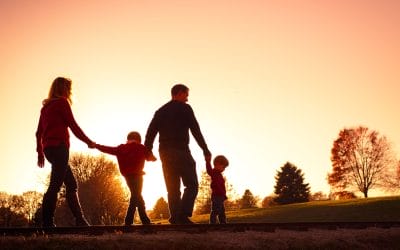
[[372, 238]]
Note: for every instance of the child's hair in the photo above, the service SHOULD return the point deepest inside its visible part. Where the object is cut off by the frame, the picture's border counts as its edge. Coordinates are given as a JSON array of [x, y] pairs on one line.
[[220, 159], [134, 136]]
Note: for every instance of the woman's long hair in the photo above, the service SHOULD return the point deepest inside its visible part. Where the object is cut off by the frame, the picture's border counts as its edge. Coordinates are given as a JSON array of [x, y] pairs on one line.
[[61, 87]]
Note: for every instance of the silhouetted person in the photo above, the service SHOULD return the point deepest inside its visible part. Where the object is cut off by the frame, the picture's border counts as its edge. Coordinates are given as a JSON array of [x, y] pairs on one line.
[[218, 190], [172, 122], [131, 157], [52, 138]]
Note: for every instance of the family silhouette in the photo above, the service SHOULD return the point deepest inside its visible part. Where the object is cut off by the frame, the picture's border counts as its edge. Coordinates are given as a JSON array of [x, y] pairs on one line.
[[172, 122]]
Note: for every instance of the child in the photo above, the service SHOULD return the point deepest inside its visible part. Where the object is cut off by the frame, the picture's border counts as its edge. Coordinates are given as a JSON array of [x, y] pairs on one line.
[[218, 195], [131, 157]]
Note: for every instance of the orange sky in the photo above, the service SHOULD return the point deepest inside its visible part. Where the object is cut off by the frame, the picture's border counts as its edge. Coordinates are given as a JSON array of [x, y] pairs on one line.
[[271, 81]]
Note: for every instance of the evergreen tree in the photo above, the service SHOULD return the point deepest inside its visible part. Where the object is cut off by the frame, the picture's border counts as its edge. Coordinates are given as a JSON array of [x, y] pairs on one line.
[[160, 210], [248, 200], [290, 186]]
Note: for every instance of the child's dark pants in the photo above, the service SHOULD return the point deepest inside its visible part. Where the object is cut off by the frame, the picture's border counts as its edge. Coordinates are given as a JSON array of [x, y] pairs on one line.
[[135, 184], [217, 210]]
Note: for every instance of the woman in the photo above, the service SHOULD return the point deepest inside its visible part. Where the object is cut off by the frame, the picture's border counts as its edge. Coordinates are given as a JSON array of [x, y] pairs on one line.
[[52, 140]]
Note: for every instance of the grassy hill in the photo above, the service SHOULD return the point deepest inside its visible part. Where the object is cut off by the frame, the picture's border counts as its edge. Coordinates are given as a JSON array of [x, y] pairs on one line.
[[358, 210]]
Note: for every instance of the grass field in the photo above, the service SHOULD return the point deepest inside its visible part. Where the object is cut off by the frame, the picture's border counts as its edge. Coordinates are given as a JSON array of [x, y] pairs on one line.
[[358, 210]]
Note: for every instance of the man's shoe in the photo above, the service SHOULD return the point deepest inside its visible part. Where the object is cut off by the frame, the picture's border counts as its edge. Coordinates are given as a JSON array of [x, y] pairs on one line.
[[146, 222], [48, 225], [173, 221]]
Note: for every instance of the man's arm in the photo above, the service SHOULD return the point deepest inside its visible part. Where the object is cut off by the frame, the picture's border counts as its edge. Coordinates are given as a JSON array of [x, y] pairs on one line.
[[198, 136], [151, 133]]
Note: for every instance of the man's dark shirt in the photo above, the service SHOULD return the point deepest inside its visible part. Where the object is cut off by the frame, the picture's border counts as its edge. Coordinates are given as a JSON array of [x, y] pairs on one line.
[[173, 122]]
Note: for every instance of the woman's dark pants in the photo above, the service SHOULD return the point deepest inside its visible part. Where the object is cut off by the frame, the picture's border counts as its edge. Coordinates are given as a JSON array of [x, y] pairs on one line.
[[60, 173]]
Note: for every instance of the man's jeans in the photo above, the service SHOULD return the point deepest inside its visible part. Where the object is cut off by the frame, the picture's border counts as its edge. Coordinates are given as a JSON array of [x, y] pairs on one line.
[[179, 165]]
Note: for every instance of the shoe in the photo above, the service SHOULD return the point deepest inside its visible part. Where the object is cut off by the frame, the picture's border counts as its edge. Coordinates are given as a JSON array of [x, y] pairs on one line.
[[186, 221], [173, 221], [82, 222], [146, 222], [48, 225]]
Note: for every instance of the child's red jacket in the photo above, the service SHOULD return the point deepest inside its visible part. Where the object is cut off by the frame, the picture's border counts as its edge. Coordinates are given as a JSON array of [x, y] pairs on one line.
[[131, 157], [217, 182]]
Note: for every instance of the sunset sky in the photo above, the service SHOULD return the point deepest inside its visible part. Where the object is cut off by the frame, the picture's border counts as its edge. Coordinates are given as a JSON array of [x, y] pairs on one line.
[[270, 81]]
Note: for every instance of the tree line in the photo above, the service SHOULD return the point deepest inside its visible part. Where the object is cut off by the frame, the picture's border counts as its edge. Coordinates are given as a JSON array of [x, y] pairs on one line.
[[361, 160]]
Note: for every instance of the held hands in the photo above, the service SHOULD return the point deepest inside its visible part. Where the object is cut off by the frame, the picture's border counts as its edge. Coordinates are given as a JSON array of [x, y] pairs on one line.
[[92, 145], [207, 156], [151, 157]]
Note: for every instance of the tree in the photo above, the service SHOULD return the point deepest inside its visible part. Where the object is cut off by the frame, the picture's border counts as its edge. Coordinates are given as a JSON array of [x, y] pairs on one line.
[[17, 204], [160, 210], [290, 186], [32, 200], [396, 180], [248, 200], [203, 200], [343, 195], [268, 201], [361, 159], [12, 213], [393, 183], [9, 218], [318, 196], [102, 195]]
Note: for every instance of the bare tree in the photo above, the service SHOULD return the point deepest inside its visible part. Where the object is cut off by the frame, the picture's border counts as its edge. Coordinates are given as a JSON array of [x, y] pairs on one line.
[[361, 159], [393, 183], [103, 197], [32, 200], [203, 200], [12, 212], [101, 193]]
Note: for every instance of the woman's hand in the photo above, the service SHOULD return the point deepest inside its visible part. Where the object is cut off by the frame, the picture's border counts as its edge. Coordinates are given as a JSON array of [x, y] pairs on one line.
[[40, 161]]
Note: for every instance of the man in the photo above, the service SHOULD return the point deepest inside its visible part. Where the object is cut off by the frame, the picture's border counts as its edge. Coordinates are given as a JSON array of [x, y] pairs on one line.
[[173, 122]]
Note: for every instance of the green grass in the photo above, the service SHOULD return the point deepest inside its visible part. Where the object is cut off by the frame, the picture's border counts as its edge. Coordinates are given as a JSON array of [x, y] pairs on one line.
[[357, 210]]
